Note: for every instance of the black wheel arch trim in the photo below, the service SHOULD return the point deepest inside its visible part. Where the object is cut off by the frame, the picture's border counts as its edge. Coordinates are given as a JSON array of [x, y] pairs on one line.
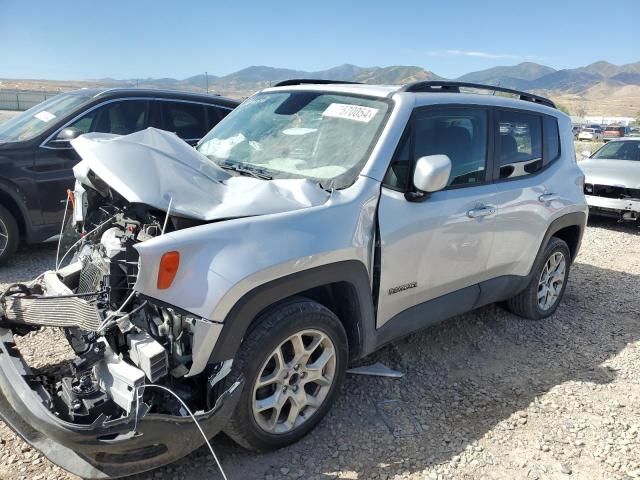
[[16, 195], [573, 219], [255, 301]]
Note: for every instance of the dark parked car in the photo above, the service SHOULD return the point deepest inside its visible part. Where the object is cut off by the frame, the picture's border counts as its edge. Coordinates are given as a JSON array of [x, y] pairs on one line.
[[36, 158]]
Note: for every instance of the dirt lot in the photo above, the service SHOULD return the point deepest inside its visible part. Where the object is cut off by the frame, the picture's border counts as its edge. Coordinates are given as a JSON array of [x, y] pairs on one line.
[[6, 115], [581, 146], [485, 396]]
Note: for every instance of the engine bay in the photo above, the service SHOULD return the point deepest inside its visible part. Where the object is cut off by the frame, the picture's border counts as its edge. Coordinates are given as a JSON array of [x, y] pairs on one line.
[[122, 340]]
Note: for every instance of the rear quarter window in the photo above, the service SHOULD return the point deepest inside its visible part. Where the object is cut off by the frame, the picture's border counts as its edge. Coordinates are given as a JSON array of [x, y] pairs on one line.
[[551, 140]]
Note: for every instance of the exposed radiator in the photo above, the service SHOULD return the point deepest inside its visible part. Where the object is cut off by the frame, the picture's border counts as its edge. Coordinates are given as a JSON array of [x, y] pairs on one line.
[[52, 312]]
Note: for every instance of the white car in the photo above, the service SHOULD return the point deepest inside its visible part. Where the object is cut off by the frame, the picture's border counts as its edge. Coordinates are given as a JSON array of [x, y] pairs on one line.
[[612, 179], [589, 134]]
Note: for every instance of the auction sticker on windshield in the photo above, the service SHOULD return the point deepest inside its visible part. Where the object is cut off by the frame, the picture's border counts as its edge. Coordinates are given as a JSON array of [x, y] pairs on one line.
[[350, 112], [45, 116]]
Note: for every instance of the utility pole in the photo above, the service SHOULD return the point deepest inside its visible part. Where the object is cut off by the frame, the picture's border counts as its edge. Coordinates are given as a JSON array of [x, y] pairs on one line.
[[206, 76]]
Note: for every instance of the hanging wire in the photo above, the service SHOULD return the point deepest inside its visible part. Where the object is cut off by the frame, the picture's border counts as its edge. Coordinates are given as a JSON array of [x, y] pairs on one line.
[[193, 417], [83, 238], [64, 220]]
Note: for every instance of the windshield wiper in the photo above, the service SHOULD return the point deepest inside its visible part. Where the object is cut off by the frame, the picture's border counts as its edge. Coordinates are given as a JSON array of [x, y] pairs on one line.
[[246, 171]]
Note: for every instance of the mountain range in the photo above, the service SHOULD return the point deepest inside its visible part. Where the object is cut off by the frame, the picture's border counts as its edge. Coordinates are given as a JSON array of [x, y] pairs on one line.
[[532, 76], [600, 88]]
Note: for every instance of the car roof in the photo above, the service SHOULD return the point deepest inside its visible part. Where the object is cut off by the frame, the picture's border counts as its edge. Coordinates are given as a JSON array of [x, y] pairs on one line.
[[156, 93], [381, 91], [421, 98], [624, 139]]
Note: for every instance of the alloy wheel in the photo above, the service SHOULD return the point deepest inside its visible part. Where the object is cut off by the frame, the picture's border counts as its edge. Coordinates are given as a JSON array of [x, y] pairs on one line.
[[294, 381], [551, 280], [4, 237]]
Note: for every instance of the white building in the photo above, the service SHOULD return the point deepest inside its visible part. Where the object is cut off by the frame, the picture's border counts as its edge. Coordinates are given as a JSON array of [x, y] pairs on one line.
[[599, 120]]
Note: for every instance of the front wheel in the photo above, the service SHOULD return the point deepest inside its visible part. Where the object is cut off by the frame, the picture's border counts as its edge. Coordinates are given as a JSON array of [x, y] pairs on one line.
[[548, 281], [294, 361], [8, 234]]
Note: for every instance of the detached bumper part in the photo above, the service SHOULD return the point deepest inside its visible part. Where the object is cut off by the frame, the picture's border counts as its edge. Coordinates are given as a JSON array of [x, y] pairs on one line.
[[105, 448]]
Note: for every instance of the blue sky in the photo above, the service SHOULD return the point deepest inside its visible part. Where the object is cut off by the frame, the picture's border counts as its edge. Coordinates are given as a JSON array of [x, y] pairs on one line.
[[80, 39]]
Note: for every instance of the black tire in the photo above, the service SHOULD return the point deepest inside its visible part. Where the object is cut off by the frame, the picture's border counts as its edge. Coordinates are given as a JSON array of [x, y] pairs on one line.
[[525, 304], [8, 227], [272, 328]]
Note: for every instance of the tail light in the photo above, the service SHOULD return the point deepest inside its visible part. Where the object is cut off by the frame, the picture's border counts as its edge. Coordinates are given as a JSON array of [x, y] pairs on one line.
[[169, 264]]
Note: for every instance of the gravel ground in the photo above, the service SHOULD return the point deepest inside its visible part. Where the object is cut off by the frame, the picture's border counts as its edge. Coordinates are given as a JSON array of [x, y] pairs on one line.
[[485, 396]]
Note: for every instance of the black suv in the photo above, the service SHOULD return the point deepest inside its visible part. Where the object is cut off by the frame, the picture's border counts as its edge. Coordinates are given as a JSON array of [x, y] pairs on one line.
[[36, 158]]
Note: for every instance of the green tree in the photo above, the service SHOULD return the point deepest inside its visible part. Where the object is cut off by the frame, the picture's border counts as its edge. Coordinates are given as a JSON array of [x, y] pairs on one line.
[[563, 109]]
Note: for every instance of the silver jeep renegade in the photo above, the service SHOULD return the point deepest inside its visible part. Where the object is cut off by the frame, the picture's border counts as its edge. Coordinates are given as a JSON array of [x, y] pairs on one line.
[[314, 224]]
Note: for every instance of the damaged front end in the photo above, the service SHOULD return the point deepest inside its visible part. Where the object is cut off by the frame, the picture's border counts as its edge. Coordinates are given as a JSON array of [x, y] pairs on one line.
[[101, 419]]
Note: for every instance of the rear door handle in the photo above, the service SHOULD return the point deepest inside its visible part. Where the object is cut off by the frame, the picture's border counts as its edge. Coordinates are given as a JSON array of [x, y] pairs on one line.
[[481, 211], [548, 197]]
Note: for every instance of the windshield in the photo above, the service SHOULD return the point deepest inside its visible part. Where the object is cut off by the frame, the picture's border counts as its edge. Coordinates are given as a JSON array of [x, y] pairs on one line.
[[619, 151], [34, 121], [324, 137]]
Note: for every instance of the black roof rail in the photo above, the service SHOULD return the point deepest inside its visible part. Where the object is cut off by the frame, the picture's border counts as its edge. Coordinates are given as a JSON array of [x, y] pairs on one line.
[[454, 87], [309, 81]]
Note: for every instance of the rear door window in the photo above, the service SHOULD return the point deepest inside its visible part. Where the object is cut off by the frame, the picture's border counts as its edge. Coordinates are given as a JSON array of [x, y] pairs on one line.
[[187, 120], [519, 145], [214, 115], [121, 117]]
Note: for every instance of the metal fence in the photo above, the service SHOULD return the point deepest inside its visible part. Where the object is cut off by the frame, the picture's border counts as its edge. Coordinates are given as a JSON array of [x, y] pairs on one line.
[[22, 99]]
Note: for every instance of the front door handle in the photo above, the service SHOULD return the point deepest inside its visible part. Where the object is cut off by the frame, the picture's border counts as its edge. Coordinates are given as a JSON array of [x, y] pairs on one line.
[[481, 211], [548, 197]]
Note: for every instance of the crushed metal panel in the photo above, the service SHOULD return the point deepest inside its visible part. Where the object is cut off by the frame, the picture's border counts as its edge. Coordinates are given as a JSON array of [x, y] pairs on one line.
[[156, 168]]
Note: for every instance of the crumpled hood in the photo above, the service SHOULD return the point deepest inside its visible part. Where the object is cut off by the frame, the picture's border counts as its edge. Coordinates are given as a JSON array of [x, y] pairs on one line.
[[624, 173], [155, 167]]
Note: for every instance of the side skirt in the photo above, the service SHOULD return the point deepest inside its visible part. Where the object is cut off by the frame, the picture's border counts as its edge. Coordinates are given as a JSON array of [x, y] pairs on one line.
[[442, 308]]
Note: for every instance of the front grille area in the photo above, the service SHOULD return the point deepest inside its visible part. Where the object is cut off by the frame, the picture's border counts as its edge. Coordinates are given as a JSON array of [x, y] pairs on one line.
[[90, 277], [94, 268], [610, 191]]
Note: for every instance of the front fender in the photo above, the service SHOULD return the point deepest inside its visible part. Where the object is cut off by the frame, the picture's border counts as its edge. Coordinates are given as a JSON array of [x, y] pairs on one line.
[[220, 262], [246, 309]]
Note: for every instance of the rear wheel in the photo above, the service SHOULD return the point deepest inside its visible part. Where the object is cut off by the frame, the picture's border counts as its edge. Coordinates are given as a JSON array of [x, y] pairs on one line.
[[8, 235], [548, 281], [294, 361]]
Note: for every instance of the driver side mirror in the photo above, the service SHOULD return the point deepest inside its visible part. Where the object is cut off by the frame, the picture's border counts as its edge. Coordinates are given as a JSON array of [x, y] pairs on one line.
[[586, 154], [67, 134], [431, 174]]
